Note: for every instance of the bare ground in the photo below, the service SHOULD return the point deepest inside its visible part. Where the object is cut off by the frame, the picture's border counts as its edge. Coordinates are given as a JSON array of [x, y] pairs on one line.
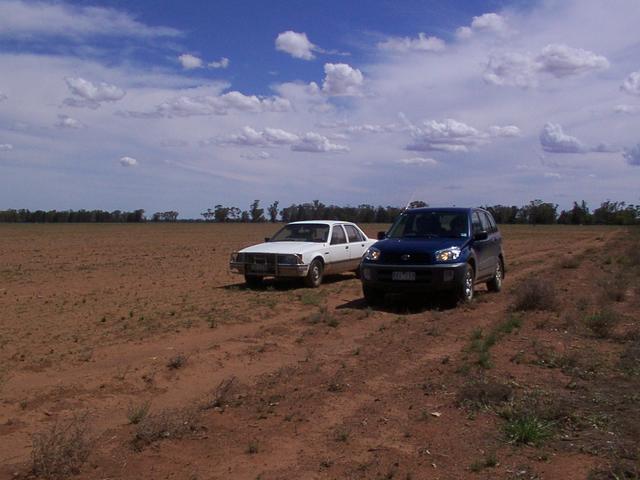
[[97, 322]]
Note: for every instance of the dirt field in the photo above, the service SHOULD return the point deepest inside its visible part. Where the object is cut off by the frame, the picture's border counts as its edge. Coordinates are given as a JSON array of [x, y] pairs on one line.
[[130, 351]]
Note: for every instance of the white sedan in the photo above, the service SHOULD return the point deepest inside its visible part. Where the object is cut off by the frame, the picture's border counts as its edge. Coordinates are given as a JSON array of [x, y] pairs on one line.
[[307, 249]]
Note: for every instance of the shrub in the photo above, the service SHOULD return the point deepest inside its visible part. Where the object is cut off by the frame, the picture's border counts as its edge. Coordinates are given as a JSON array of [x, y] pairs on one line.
[[136, 413], [60, 451], [176, 362], [535, 294], [171, 423], [484, 394], [602, 323], [569, 262]]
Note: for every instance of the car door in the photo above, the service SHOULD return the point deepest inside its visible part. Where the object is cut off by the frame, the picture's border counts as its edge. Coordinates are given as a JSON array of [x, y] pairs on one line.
[[495, 239], [338, 251], [481, 247], [357, 246]]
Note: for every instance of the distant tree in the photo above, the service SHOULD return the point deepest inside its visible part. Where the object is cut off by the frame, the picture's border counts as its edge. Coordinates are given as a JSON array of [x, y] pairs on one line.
[[257, 213], [417, 204], [244, 217], [538, 212], [208, 215], [273, 211], [170, 216], [221, 214]]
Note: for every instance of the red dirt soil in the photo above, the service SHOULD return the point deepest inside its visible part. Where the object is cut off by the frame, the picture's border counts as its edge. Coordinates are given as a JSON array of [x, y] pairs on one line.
[[320, 385]]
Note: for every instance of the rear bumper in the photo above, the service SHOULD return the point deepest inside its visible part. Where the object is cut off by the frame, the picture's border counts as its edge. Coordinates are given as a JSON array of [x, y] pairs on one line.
[[427, 277], [269, 270]]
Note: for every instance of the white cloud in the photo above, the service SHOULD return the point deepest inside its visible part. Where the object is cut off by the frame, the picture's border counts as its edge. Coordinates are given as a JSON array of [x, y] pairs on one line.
[[26, 19], [222, 63], [65, 121], [314, 142], [448, 136], [128, 162], [562, 61], [631, 84], [369, 128], [188, 106], [522, 70], [295, 44], [554, 140], [512, 69], [406, 44], [6, 147], [190, 62], [629, 109], [88, 94], [273, 137], [632, 155], [420, 161], [488, 22], [262, 155], [342, 80], [506, 131], [552, 175]]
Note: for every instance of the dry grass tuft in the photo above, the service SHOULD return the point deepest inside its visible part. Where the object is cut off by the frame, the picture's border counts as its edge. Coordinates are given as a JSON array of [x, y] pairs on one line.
[[535, 294], [170, 423], [60, 451]]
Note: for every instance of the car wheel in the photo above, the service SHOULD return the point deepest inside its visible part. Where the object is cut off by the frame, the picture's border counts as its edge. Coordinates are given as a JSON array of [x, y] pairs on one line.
[[465, 289], [495, 284], [253, 281], [314, 275], [372, 296]]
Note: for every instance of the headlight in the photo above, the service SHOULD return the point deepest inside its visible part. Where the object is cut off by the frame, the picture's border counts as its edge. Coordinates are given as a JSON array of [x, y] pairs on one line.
[[372, 254], [289, 259], [237, 257], [448, 254]]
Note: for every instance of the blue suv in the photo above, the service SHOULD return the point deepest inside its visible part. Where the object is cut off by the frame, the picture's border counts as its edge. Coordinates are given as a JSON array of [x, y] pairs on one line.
[[435, 250]]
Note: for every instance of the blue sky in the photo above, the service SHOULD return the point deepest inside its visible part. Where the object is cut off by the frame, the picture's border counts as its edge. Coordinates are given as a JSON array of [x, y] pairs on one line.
[[183, 105]]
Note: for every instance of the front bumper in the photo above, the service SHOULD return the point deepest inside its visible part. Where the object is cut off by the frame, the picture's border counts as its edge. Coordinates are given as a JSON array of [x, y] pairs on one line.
[[269, 270], [438, 277]]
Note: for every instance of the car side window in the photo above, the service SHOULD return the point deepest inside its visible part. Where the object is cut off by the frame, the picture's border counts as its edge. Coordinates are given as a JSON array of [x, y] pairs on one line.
[[475, 221], [484, 220], [338, 236], [352, 233], [494, 227]]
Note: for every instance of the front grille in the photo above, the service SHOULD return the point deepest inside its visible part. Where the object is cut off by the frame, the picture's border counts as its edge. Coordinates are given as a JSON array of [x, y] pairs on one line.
[[392, 258], [261, 262]]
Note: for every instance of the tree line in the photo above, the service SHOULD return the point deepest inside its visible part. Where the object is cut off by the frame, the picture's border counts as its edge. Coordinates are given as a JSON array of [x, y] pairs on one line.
[[535, 212]]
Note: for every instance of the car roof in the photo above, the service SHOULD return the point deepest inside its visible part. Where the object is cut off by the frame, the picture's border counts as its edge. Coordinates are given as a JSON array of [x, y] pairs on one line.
[[325, 222], [441, 209]]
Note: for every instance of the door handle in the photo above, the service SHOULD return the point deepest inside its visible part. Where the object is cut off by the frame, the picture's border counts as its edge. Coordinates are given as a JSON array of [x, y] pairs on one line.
[[347, 247]]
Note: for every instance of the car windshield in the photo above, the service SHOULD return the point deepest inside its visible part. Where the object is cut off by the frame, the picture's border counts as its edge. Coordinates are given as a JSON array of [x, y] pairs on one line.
[[302, 232], [430, 224]]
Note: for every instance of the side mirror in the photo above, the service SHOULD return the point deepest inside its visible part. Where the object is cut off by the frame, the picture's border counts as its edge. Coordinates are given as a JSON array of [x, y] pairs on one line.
[[382, 235], [266, 239], [483, 235]]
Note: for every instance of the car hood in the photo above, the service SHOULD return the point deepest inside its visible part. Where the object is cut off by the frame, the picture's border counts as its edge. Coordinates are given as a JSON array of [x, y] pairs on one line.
[[283, 247], [419, 245]]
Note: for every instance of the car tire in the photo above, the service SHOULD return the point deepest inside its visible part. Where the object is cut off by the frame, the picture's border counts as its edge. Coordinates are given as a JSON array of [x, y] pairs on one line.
[[495, 284], [253, 281], [314, 275], [465, 289], [372, 296]]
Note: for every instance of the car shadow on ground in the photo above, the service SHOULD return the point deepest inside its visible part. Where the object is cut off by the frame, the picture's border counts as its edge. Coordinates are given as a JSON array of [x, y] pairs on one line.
[[402, 304], [285, 285]]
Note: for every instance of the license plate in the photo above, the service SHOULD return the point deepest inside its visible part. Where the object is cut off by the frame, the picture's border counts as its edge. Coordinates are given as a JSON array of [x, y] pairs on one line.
[[258, 267], [403, 276]]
